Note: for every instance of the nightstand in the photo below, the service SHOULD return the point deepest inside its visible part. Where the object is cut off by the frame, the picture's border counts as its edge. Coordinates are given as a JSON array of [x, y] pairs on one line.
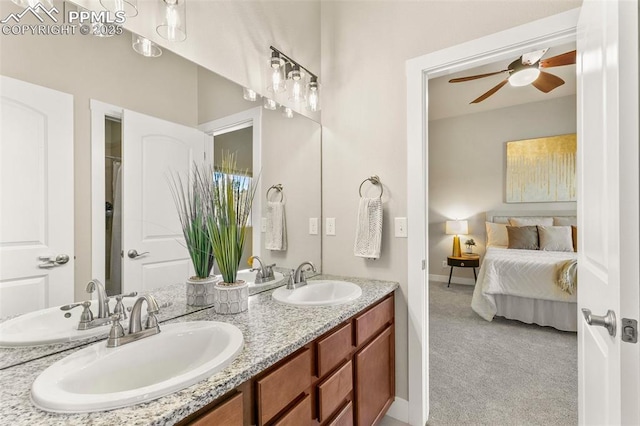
[[464, 261]]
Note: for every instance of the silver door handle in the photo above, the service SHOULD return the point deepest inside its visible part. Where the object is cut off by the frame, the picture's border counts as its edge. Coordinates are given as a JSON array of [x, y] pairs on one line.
[[52, 262], [133, 253], [607, 321]]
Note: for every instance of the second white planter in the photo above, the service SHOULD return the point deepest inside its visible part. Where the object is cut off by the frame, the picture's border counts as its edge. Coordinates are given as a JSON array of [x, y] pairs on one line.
[[201, 292], [231, 299]]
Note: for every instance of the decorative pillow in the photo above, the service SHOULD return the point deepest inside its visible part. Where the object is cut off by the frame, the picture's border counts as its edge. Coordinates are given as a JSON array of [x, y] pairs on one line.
[[555, 238], [523, 237], [565, 221], [530, 221], [574, 237], [497, 234]]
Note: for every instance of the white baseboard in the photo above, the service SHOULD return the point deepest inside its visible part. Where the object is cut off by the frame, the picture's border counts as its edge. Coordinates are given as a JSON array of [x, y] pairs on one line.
[[399, 410], [454, 280]]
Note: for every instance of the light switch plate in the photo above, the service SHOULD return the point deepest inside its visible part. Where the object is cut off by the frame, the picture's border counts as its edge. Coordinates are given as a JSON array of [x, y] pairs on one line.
[[313, 226], [401, 227], [331, 226], [263, 225]]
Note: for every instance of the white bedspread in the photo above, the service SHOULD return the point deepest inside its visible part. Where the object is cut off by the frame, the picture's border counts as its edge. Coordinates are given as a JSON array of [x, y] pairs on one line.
[[523, 273]]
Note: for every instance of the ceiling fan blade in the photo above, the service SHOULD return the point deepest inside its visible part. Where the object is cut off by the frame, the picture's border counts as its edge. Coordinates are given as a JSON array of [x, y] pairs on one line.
[[568, 58], [533, 57], [490, 92], [475, 77], [547, 82]]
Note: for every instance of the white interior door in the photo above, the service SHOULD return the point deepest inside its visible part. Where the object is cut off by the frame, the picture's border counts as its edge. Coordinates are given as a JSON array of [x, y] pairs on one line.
[[608, 209], [36, 198], [151, 150]]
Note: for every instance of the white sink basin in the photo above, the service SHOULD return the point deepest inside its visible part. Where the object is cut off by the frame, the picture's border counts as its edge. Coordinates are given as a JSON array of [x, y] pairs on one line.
[[51, 325], [250, 277], [319, 293], [98, 378]]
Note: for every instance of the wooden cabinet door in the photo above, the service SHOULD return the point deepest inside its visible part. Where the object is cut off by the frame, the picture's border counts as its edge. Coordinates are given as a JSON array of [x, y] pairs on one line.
[[375, 378], [229, 413]]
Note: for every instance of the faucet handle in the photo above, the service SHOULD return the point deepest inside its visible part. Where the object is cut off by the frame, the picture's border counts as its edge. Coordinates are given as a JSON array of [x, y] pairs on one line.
[[116, 332], [86, 316], [291, 282]]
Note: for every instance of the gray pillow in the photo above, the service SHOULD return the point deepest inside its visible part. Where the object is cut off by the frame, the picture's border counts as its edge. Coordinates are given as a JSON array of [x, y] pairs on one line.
[[555, 238], [523, 237]]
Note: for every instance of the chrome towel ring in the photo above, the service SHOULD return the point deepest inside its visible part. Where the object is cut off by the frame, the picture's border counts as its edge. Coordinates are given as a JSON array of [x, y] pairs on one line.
[[375, 180], [278, 188]]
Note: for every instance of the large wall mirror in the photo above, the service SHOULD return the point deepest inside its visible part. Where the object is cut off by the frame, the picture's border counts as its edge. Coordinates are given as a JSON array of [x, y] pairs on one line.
[[107, 79]]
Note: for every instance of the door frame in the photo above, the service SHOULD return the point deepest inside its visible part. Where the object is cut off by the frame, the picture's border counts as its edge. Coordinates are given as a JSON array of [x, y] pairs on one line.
[[546, 32], [243, 119], [100, 111]]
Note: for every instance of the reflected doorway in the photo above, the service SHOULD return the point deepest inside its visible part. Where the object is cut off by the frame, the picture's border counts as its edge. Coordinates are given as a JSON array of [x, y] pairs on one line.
[[113, 204]]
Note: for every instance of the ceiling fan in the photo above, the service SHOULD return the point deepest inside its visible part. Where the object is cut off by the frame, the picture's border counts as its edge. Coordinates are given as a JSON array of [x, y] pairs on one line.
[[527, 70]]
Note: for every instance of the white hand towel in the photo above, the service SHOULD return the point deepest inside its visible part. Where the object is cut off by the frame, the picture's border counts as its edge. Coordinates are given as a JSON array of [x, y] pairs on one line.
[[276, 238], [369, 228]]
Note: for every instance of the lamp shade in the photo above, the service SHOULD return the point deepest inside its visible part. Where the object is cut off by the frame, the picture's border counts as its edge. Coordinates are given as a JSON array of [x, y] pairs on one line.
[[457, 227]]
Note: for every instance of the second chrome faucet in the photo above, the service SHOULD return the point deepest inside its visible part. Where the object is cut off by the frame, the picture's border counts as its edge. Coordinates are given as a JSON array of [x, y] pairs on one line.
[[117, 336], [298, 277]]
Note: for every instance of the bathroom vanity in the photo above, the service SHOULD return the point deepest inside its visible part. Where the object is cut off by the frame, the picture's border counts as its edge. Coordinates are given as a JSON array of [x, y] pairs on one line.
[[300, 365]]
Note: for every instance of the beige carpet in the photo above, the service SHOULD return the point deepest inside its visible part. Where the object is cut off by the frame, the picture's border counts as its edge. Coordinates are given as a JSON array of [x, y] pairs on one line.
[[497, 373]]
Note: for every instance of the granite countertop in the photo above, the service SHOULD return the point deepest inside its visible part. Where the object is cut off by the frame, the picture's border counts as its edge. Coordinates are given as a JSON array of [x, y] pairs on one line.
[[271, 332]]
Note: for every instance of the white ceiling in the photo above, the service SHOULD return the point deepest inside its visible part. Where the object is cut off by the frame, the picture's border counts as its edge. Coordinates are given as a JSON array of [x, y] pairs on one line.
[[452, 99]]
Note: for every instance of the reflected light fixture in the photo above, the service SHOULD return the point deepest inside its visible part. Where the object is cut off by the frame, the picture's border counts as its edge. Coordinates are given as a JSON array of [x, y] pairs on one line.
[[130, 7], [456, 228], [297, 86], [270, 104], [523, 74], [173, 20], [277, 83], [287, 112], [293, 77], [145, 47], [249, 95], [32, 3], [313, 95]]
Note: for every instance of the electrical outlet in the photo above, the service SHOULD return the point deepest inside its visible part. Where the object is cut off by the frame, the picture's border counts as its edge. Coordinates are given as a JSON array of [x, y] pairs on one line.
[[444, 263], [331, 226], [401, 227], [263, 224], [313, 226]]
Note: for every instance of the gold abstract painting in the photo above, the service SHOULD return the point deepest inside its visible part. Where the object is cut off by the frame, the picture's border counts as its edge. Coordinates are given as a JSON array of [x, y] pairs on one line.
[[541, 170]]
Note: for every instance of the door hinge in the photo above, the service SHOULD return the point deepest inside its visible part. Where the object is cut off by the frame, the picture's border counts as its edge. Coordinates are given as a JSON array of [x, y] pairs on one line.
[[424, 264], [629, 330]]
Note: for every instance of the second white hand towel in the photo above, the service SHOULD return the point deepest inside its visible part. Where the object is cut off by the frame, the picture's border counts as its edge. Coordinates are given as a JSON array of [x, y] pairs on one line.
[[276, 226], [369, 228]]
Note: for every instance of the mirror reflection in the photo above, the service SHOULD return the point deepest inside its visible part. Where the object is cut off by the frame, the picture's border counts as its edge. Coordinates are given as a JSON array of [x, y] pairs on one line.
[[117, 222]]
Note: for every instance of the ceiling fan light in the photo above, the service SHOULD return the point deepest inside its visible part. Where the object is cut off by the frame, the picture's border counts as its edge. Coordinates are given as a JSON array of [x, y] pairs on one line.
[[524, 76]]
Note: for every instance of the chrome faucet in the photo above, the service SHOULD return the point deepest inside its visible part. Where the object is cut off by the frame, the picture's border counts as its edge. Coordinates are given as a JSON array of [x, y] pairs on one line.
[[117, 336], [88, 321], [298, 277], [265, 272], [103, 299]]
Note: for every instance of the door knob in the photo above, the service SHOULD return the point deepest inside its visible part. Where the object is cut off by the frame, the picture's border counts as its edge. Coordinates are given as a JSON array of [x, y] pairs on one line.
[[52, 262], [607, 321], [133, 253]]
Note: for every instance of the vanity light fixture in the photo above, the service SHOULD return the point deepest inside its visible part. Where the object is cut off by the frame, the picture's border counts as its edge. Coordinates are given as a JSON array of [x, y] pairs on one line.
[[287, 112], [249, 95], [173, 20], [294, 74], [33, 3], [145, 47], [130, 7], [270, 104]]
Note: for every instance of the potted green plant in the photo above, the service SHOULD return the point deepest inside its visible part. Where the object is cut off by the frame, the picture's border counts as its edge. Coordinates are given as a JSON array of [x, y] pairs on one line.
[[190, 200], [470, 243], [230, 197]]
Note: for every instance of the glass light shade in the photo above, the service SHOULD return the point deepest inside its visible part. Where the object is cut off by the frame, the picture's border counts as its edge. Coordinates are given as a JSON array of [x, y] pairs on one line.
[[313, 95], [275, 61], [249, 95], [457, 227], [32, 3], [270, 104], [130, 7], [277, 81], [287, 112], [145, 47], [524, 76], [296, 91], [173, 20]]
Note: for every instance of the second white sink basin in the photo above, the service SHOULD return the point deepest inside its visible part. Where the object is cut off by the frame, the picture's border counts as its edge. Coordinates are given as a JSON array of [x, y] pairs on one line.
[[319, 293], [98, 378]]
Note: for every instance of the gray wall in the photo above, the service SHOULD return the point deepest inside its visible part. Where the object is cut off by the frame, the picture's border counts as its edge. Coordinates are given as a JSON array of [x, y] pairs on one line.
[[467, 161]]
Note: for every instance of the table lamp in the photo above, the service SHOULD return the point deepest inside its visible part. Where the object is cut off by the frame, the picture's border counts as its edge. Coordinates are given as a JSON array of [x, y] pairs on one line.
[[456, 228]]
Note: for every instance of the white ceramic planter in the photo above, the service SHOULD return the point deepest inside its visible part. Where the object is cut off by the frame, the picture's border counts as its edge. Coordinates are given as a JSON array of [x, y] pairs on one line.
[[201, 292], [231, 299]]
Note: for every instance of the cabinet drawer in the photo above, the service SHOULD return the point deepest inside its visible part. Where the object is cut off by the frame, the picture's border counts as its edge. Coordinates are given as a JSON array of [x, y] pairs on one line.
[[298, 415], [333, 349], [333, 391], [228, 413], [344, 417], [282, 386], [373, 320]]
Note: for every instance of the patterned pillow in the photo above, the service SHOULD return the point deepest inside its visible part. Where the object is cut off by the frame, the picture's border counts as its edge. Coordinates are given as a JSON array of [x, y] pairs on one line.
[[555, 238], [523, 237]]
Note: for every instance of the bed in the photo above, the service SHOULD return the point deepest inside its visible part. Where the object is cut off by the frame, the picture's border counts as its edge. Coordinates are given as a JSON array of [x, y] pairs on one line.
[[520, 284]]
